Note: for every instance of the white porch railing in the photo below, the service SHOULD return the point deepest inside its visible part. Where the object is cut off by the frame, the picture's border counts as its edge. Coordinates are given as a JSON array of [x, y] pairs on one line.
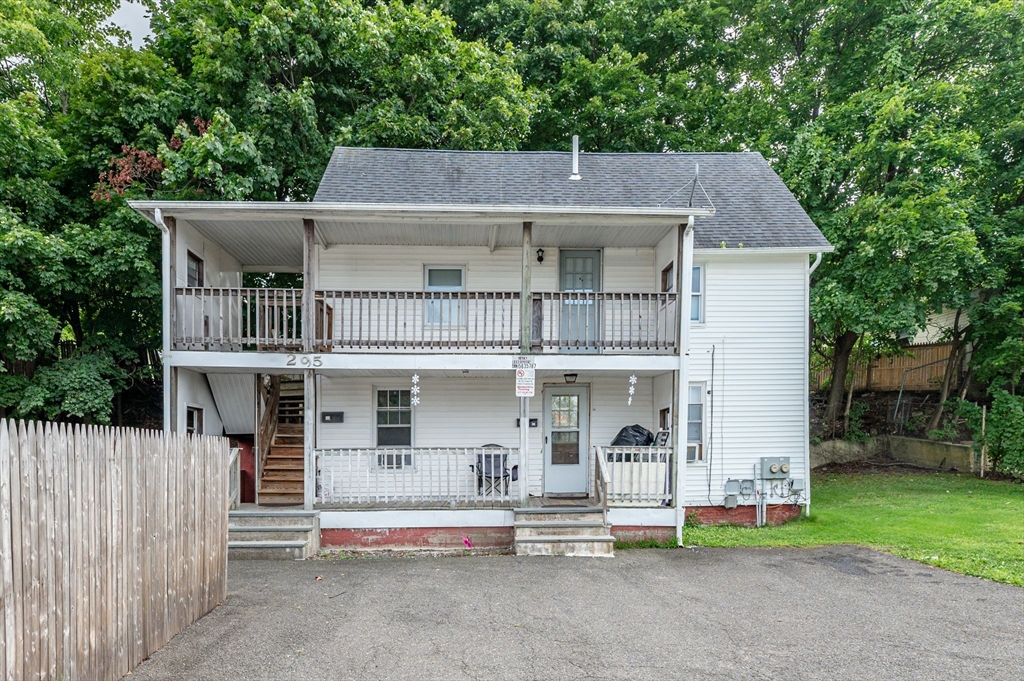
[[449, 320], [605, 321], [207, 318], [638, 476], [386, 476]]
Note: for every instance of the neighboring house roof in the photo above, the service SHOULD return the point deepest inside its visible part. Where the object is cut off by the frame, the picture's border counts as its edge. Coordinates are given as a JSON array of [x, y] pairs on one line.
[[752, 205]]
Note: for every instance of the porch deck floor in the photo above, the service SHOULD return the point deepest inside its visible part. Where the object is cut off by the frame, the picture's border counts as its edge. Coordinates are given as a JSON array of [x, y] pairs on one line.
[[535, 502]]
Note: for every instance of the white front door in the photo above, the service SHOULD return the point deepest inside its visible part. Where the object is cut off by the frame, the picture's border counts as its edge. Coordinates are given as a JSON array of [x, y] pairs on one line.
[[566, 439]]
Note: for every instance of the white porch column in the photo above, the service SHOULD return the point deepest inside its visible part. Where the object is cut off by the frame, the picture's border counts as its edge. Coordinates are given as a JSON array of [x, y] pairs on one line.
[[525, 341], [309, 438], [685, 280], [169, 281]]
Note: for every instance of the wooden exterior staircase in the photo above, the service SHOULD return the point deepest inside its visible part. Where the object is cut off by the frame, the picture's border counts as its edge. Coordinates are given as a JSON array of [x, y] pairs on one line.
[[281, 475]]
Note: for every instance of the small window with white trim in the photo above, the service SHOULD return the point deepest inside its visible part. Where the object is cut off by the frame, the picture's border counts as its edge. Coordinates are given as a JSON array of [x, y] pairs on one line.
[[444, 304], [194, 420], [697, 295], [394, 427], [695, 424]]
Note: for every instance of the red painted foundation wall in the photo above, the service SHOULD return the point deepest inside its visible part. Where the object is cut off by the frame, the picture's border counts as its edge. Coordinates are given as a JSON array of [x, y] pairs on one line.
[[491, 538]]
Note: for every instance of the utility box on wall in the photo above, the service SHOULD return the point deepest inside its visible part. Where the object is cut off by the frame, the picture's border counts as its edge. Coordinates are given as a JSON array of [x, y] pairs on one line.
[[775, 468]]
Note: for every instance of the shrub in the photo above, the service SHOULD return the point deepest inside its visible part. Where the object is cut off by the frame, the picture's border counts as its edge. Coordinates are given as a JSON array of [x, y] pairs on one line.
[[1004, 431]]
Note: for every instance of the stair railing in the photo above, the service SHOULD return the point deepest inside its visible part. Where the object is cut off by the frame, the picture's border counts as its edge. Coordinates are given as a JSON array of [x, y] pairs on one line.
[[271, 398], [601, 482]]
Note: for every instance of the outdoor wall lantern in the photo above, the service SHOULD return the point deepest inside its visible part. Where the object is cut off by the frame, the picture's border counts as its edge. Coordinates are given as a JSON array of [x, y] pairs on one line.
[[570, 378], [540, 255]]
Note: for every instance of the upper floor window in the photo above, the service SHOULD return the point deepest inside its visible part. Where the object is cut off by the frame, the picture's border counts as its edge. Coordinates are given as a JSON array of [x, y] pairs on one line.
[[697, 295], [442, 308], [194, 268], [668, 283]]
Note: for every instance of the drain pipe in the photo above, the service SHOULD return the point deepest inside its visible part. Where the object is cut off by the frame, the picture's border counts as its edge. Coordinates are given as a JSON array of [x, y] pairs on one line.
[[814, 265]]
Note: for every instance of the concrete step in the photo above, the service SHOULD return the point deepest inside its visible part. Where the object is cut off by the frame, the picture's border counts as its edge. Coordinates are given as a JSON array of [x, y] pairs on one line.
[[560, 529], [251, 533], [280, 499], [568, 515], [267, 550], [590, 546], [297, 517]]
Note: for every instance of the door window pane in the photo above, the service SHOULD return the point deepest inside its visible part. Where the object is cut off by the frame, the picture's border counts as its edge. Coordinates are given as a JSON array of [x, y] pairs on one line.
[[565, 447], [565, 411]]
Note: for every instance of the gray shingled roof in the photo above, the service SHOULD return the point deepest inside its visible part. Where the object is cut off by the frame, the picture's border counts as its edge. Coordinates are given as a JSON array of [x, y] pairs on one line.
[[752, 205]]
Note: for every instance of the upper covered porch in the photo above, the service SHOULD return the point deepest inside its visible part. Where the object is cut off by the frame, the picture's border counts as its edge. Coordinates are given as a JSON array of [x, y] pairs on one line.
[[416, 279]]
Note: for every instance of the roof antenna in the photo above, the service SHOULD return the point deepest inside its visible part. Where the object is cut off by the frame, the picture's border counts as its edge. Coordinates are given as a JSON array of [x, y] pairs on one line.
[[575, 158], [696, 174]]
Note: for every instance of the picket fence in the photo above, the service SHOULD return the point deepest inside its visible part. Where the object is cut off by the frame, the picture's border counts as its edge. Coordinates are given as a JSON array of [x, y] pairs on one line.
[[112, 540]]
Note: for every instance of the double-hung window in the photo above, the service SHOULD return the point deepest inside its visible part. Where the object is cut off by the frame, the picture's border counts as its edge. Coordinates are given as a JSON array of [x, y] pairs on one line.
[[394, 427], [695, 424], [194, 270], [444, 305], [697, 295]]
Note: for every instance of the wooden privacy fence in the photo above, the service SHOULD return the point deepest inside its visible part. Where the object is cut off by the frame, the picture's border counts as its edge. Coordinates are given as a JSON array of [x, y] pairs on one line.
[[112, 540], [886, 373]]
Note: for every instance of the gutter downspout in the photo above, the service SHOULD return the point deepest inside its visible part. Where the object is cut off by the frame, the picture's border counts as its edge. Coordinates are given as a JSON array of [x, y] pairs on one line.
[[814, 265], [165, 274], [683, 390]]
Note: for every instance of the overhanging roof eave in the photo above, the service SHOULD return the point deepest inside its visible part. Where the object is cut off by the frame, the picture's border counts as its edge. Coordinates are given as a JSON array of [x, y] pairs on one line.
[[485, 214]]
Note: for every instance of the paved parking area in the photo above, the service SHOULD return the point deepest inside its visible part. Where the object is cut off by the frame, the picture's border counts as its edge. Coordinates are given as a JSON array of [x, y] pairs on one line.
[[838, 613]]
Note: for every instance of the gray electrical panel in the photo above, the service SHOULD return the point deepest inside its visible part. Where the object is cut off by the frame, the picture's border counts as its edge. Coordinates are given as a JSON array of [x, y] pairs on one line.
[[796, 485], [775, 468], [732, 487], [746, 487]]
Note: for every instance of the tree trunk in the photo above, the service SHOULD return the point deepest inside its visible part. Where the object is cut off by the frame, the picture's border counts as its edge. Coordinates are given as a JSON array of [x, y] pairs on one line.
[[840, 362], [853, 380], [947, 378]]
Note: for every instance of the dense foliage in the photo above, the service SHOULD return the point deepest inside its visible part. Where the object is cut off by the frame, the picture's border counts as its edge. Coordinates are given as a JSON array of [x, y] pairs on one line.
[[899, 126]]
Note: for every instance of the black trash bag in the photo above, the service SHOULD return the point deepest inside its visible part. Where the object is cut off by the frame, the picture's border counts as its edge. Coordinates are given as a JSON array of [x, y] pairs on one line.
[[633, 436]]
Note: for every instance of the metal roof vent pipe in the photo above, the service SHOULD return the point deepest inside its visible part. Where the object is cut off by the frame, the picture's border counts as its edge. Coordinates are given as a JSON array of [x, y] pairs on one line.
[[575, 158]]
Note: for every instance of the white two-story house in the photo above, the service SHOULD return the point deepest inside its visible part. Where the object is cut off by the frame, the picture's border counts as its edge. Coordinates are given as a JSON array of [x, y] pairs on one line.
[[468, 332]]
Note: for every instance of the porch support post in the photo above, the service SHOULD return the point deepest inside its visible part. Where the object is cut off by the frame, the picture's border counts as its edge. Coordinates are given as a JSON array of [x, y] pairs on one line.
[[684, 284], [525, 302], [169, 243], [308, 438], [308, 256], [524, 451]]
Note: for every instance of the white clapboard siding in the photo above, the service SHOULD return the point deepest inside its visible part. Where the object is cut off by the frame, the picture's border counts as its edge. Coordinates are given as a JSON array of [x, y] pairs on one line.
[[474, 411], [387, 268], [219, 268], [756, 319]]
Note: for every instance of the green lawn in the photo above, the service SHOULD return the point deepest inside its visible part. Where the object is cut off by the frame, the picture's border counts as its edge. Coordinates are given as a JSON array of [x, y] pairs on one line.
[[956, 522]]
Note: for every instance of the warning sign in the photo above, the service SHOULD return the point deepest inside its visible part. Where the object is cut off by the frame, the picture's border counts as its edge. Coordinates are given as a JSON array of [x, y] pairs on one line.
[[525, 382]]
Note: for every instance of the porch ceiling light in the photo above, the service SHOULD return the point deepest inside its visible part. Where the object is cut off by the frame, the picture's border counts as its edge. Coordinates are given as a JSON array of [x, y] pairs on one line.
[[570, 378]]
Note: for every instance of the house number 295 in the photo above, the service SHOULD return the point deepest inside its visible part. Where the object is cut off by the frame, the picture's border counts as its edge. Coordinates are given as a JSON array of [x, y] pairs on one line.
[[304, 360]]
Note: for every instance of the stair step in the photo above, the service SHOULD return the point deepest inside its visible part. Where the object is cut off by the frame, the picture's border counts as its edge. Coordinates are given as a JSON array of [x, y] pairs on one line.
[[559, 509], [267, 550], [286, 450], [282, 474], [559, 523], [598, 538], [290, 428], [280, 498], [587, 515], [270, 528]]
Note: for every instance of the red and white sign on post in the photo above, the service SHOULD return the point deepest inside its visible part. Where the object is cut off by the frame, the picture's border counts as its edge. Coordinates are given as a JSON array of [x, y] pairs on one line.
[[525, 376]]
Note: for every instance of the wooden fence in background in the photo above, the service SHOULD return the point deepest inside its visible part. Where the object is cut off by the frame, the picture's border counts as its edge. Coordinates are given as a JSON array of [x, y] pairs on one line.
[[112, 540], [886, 373]]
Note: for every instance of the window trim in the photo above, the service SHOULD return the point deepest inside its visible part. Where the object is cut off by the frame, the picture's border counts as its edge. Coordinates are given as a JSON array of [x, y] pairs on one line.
[[668, 277], [201, 270], [201, 423], [702, 294], [461, 309], [408, 459], [698, 444]]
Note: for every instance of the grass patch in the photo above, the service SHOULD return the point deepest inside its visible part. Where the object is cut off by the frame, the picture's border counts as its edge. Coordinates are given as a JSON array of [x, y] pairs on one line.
[[955, 522]]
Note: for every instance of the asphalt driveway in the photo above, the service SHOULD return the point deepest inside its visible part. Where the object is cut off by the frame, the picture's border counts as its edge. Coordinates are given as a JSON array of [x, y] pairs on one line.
[[836, 613]]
